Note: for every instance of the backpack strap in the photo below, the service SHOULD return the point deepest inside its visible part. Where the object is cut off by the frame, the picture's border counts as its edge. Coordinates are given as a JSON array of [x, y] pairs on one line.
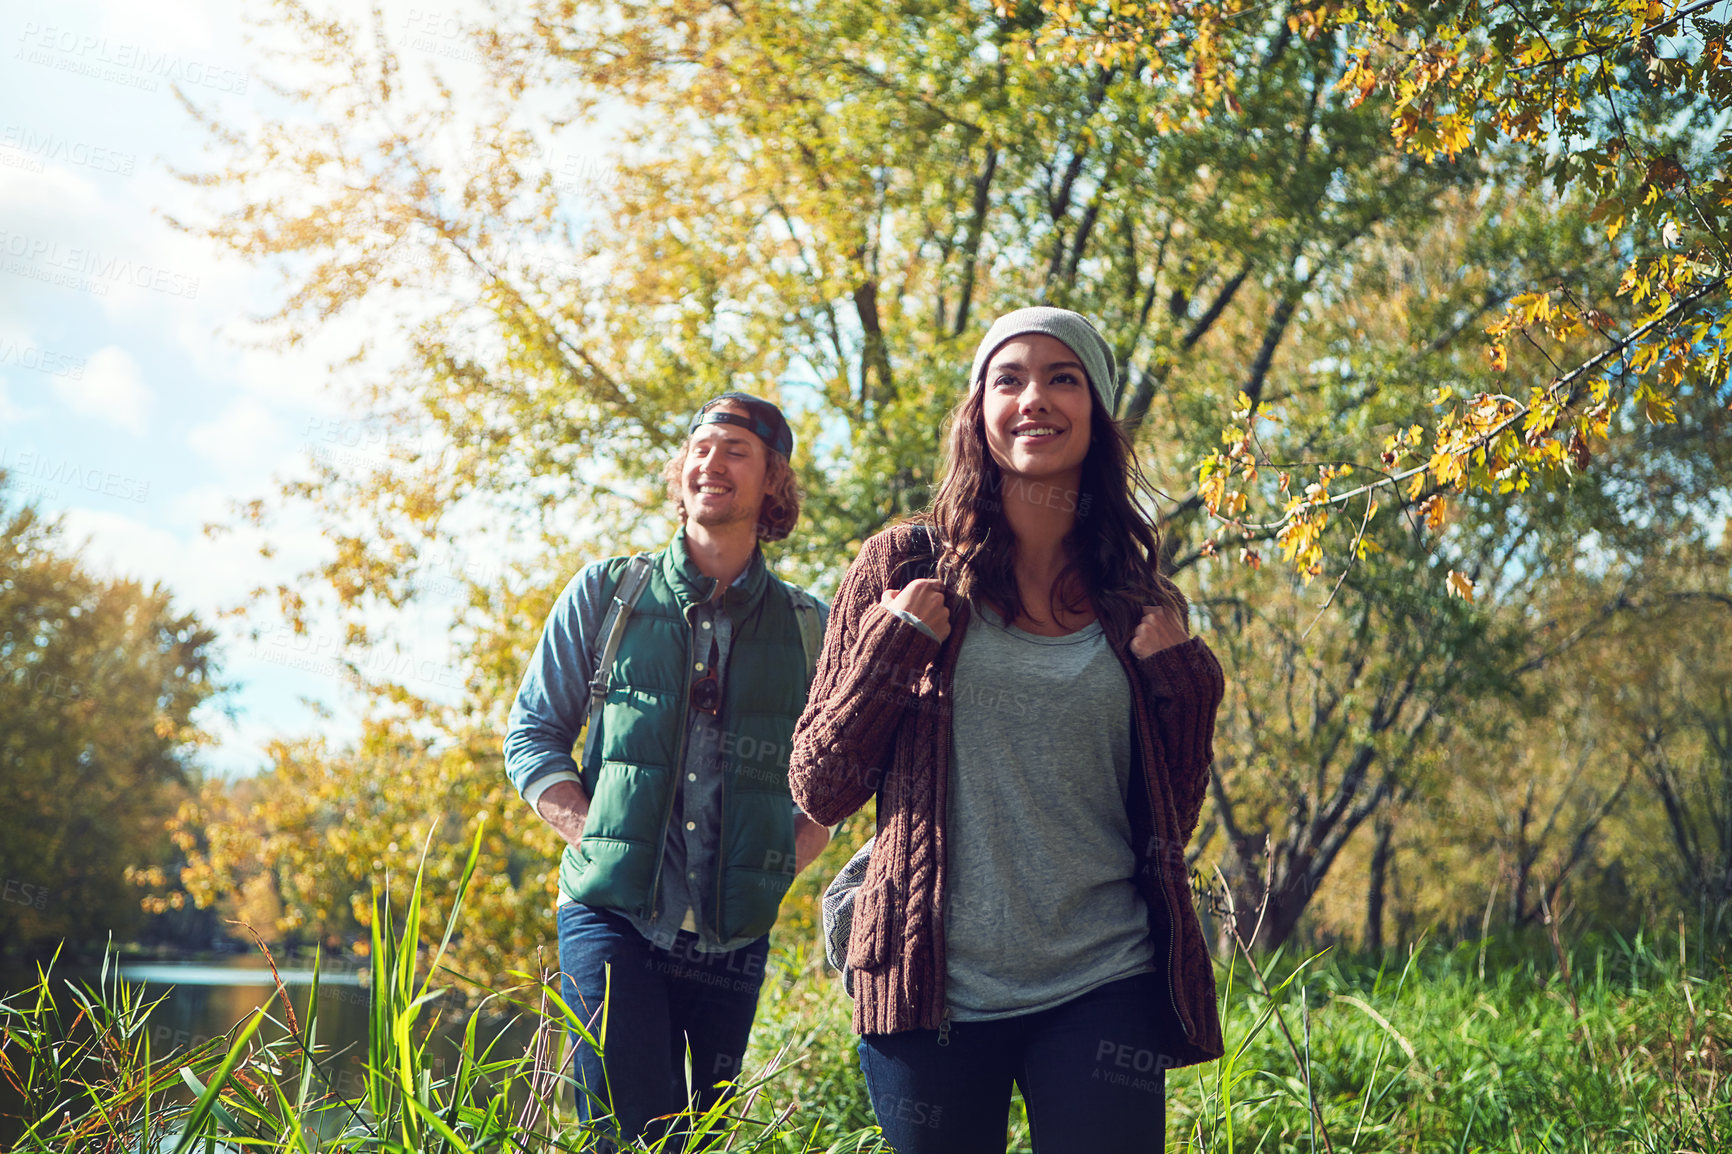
[[811, 629], [924, 559], [631, 585]]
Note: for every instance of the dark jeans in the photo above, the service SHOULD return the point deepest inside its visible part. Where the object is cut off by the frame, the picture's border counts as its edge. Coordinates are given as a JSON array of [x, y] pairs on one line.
[[1092, 1073], [663, 1002]]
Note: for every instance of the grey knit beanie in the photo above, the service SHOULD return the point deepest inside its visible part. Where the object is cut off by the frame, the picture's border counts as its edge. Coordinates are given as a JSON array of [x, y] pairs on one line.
[[1071, 328]]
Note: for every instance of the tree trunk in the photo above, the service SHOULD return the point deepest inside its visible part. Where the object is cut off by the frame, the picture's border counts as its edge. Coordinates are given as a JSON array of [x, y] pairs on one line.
[[1376, 889]]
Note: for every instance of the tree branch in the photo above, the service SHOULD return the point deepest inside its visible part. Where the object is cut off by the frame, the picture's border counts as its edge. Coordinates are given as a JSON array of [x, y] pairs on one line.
[[976, 229]]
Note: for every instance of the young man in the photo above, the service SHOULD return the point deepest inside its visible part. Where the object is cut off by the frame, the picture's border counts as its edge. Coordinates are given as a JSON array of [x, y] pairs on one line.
[[681, 837]]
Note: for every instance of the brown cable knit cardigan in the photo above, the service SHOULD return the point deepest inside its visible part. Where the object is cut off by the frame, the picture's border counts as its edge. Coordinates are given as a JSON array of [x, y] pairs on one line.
[[878, 721]]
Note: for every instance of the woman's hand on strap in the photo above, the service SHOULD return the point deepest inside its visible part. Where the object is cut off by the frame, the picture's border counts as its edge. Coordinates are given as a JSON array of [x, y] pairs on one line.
[[923, 597], [1161, 628]]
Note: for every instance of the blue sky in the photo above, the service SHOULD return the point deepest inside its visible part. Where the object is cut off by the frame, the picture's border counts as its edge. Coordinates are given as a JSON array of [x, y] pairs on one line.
[[130, 404]]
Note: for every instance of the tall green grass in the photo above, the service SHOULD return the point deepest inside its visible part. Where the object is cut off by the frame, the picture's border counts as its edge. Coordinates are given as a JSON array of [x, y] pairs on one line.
[[1479, 1047], [1619, 1046], [79, 1059]]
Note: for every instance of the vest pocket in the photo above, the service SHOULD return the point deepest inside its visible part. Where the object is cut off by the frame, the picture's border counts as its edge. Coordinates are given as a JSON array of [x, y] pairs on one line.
[[628, 804], [750, 901], [611, 873], [615, 862], [757, 860]]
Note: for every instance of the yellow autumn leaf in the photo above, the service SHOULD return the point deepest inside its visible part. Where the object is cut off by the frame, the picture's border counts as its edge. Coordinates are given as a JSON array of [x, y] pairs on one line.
[[1455, 133], [1212, 488]]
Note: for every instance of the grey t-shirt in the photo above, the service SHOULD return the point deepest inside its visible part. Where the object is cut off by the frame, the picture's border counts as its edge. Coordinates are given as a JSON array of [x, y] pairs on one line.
[[1040, 904]]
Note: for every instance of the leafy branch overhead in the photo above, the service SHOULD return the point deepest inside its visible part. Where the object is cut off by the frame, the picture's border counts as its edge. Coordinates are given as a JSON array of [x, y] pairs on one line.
[[1613, 110]]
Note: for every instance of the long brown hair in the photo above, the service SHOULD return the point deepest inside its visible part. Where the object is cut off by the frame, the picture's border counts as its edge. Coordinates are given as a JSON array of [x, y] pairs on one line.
[[1113, 549]]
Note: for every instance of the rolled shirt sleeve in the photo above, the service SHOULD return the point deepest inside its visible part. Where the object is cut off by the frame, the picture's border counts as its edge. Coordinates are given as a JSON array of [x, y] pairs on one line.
[[552, 701]]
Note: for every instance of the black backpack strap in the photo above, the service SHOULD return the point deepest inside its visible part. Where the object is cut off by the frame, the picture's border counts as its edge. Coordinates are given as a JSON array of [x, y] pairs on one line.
[[923, 562], [631, 585], [811, 628]]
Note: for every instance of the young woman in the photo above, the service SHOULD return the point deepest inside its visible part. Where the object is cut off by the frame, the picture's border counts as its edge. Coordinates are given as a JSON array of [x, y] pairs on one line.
[[1036, 725]]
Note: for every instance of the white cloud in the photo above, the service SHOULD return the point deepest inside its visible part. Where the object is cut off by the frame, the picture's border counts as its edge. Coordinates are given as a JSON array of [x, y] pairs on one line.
[[171, 28], [117, 545], [110, 388], [10, 414], [244, 729], [207, 574], [279, 672], [47, 198], [16, 345], [175, 357], [240, 440], [52, 220]]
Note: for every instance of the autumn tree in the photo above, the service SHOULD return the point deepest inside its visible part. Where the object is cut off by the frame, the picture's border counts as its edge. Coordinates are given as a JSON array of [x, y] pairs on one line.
[[1620, 106], [1528, 774], [1668, 690], [300, 852], [827, 203], [99, 681]]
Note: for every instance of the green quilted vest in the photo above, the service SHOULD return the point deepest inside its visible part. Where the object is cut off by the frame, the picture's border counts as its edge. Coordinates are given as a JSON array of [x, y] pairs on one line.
[[641, 746]]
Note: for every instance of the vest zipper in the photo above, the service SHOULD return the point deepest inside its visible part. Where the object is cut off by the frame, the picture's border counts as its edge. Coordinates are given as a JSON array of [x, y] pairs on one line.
[[721, 857], [727, 778], [678, 768], [944, 1028]]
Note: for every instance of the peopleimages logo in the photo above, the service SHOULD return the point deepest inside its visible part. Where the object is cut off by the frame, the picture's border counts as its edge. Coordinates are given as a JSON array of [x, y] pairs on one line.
[[88, 269], [50, 473], [37, 147], [439, 34], [23, 893], [326, 655], [41, 360], [120, 61]]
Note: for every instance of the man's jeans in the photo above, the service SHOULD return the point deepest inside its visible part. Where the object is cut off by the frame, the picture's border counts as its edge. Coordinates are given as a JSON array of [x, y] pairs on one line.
[[663, 1002]]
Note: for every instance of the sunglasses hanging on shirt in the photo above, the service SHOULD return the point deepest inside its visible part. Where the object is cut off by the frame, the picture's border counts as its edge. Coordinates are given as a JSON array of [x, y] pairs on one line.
[[706, 690]]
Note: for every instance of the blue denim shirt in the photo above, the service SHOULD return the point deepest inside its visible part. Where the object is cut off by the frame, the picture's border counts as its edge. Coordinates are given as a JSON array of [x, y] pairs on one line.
[[548, 715]]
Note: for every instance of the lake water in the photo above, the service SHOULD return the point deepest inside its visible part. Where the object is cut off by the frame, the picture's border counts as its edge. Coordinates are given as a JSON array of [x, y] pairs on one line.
[[205, 1000]]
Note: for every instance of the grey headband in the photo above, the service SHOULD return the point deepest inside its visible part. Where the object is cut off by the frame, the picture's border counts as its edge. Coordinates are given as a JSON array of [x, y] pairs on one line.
[[1071, 328]]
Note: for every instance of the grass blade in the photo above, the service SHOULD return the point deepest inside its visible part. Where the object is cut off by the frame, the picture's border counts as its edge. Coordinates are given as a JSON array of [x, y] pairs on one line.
[[207, 1099]]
